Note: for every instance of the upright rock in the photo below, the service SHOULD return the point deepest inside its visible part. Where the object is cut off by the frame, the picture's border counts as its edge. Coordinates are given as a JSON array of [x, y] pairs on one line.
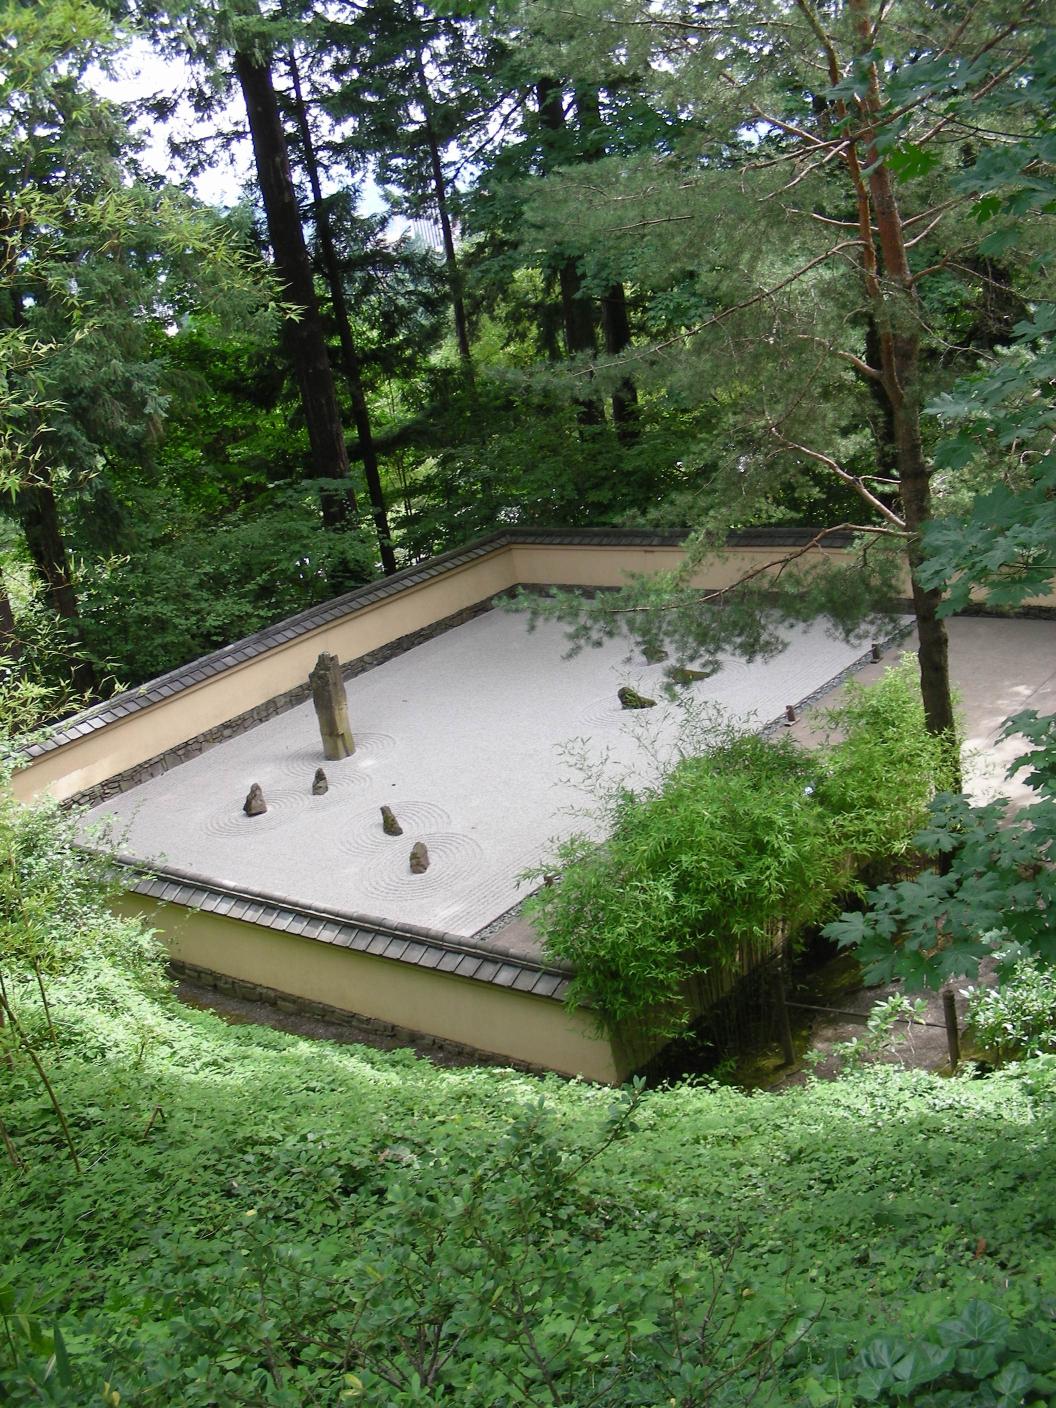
[[331, 707], [389, 824], [320, 786], [255, 805], [419, 858]]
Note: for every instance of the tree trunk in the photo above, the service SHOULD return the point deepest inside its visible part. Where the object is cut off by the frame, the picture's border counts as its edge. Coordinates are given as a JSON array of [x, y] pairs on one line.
[[304, 336], [39, 515], [617, 329], [349, 355], [10, 645], [454, 273], [614, 322], [896, 308], [576, 312]]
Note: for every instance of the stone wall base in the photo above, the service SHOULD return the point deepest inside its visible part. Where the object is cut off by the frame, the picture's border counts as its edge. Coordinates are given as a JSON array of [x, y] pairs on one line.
[[353, 1026]]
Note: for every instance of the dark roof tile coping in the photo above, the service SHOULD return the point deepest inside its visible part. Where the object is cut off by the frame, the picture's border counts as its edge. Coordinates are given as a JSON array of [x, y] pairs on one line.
[[166, 882], [238, 652]]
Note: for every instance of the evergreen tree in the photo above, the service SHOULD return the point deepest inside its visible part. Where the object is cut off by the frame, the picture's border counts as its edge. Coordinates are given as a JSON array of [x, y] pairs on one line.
[[802, 219], [92, 261]]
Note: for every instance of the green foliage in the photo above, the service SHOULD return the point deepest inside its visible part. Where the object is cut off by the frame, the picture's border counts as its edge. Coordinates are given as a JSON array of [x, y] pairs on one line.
[[888, 1026], [263, 1220], [230, 578], [504, 453], [877, 781], [1002, 548], [1017, 1018], [979, 1358], [743, 846], [995, 882], [55, 915], [728, 848], [669, 610]]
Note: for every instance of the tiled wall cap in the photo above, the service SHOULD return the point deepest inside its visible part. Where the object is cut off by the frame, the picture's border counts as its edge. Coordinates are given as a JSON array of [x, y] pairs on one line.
[[229, 656]]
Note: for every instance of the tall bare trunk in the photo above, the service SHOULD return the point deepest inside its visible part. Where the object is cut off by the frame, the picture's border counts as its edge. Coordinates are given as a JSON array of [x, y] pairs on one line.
[[615, 324], [617, 329], [454, 272], [576, 311], [349, 355], [304, 335], [10, 645]]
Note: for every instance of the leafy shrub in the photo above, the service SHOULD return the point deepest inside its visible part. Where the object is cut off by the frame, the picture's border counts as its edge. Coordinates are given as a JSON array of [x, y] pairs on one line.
[[748, 843], [1018, 1018], [876, 783], [731, 843], [229, 579], [992, 887], [980, 1358]]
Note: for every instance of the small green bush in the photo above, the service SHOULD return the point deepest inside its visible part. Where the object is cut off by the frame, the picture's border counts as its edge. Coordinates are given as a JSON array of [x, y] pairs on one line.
[[731, 843], [1019, 1017], [877, 781], [751, 842]]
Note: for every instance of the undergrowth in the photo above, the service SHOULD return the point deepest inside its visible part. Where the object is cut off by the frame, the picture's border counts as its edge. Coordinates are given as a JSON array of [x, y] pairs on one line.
[[205, 1215]]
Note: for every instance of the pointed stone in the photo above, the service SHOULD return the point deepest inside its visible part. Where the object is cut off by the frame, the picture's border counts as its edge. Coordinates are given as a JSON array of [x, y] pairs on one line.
[[419, 858], [682, 674], [255, 805], [331, 707], [389, 824], [631, 699], [320, 786]]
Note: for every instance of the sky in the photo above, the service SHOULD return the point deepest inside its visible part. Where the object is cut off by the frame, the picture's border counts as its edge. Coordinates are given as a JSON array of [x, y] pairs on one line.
[[140, 72]]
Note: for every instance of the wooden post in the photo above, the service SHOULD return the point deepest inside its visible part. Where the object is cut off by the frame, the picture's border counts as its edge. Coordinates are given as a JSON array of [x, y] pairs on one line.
[[953, 1040], [784, 1026], [331, 707]]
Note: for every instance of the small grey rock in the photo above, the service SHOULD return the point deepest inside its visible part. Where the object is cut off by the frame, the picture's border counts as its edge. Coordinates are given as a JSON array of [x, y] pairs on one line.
[[419, 858], [389, 824], [255, 805], [320, 786]]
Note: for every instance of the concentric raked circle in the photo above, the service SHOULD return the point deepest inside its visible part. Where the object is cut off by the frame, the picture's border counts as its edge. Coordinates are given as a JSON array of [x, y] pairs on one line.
[[730, 670], [300, 765], [283, 805], [363, 834], [373, 745], [608, 712], [453, 859]]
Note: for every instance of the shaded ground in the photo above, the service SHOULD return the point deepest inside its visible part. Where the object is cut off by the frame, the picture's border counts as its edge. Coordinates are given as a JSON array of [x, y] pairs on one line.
[[921, 1044]]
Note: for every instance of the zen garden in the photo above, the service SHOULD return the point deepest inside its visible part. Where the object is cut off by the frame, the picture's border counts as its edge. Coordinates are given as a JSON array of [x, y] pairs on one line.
[[528, 704]]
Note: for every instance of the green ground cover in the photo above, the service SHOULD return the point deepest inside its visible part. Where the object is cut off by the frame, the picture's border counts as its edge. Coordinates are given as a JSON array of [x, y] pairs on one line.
[[265, 1220]]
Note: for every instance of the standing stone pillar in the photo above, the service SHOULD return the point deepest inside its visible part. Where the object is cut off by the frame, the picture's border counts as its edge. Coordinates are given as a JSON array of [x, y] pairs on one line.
[[331, 707]]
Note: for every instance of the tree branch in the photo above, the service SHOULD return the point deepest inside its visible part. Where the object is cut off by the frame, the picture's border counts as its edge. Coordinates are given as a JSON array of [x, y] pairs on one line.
[[854, 480], [776, 565]]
